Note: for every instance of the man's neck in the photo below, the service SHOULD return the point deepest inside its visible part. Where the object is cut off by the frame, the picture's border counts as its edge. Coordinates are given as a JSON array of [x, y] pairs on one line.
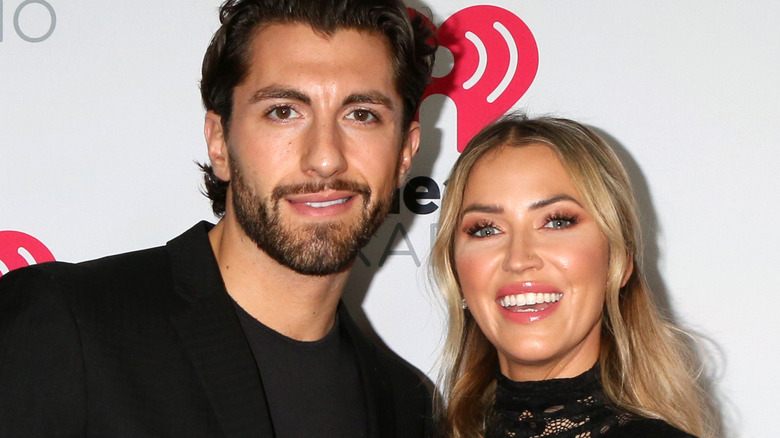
[[302, 307]]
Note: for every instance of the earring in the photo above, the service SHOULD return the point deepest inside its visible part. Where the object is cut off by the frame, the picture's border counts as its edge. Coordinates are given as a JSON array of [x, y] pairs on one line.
[[463, 304]]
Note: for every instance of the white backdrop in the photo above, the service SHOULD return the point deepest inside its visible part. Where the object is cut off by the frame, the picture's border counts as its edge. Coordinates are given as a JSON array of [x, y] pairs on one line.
[[100, 122]]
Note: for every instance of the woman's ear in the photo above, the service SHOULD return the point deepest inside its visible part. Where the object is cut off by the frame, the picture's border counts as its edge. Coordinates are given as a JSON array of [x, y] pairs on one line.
[[628, 271]]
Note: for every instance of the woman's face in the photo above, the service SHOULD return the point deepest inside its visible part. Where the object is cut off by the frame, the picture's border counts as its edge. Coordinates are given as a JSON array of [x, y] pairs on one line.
[[532, 264]]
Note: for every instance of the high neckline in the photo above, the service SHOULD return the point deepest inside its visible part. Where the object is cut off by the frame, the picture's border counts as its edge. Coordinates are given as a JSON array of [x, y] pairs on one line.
[[539, 394], [565, 407]]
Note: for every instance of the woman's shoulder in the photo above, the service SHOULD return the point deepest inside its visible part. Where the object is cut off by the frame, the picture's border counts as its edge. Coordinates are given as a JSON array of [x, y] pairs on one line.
[[638, 427]]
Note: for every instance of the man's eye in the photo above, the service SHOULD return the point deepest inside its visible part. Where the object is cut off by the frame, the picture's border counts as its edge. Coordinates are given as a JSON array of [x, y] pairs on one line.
[[362, 115], [283, 113]]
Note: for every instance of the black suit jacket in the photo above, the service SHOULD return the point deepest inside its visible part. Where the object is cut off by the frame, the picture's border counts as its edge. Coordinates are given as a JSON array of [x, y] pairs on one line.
[[148, 344]]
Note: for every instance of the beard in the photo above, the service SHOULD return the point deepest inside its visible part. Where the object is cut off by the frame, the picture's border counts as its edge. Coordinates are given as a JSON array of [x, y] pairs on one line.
[[313, 249]]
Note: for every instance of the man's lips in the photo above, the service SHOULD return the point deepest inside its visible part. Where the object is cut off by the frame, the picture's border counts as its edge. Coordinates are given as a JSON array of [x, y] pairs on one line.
[[328, 204], [322, 199]]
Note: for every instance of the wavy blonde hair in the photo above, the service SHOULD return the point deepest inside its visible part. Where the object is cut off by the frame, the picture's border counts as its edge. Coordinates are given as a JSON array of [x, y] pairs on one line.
[[648, 364]]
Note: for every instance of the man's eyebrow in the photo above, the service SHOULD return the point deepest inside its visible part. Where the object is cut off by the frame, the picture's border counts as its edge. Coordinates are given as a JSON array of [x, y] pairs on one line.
[[279, 92], [549, 201], [373, 97]]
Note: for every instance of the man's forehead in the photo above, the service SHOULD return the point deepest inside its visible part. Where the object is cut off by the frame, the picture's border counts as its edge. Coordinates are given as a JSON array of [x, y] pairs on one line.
[[325, 33], [297, 51]]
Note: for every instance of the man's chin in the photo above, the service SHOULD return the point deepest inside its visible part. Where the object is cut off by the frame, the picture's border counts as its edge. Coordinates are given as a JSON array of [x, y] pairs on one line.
[[321, 268], [319, 252], [309, 245]]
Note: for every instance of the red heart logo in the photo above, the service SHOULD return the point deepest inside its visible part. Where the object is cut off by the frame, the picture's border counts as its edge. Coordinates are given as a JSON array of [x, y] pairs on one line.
[[495, 61], [18, 250]]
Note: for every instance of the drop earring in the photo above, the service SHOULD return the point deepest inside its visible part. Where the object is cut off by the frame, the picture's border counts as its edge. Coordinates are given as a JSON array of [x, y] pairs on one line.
[[463, 304]]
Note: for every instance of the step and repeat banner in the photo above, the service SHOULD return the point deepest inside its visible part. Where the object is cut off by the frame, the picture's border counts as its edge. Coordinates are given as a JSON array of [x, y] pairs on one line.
[[101, 125]]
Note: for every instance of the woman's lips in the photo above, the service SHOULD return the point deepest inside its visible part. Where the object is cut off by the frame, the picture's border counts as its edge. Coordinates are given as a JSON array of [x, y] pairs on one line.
[[529, 301]]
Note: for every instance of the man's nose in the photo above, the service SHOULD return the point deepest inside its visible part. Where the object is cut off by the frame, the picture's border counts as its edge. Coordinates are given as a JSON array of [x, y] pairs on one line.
[[323, 153]]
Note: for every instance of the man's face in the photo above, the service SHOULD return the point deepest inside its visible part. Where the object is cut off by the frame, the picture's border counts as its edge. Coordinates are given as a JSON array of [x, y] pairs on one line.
[[315, 148]]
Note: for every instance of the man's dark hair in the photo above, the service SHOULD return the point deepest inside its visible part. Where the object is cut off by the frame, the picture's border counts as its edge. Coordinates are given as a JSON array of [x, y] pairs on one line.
[[227, 61]]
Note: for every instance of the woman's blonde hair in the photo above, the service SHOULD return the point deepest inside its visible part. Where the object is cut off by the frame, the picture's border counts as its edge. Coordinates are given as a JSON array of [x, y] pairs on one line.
[[648, 365]]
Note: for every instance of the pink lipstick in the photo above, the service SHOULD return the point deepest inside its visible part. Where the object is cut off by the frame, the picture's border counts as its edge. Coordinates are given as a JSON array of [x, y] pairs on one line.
[[528, 302]]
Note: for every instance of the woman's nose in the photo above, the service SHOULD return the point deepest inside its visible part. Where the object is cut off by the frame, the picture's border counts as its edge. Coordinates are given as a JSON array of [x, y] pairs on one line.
[[521, 254]]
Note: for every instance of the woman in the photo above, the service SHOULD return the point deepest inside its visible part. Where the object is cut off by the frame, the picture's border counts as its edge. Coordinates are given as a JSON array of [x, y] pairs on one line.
[[552, 328]]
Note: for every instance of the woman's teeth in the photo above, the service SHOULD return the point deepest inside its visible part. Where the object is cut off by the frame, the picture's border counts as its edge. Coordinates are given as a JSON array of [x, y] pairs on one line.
[[529, 299]]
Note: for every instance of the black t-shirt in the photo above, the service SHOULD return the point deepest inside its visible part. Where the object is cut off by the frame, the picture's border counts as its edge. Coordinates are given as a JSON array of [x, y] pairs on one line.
[[312, 388]]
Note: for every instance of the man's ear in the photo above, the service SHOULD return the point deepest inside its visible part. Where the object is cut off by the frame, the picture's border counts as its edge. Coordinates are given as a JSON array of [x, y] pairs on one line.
[[408, 150], [217, 145]]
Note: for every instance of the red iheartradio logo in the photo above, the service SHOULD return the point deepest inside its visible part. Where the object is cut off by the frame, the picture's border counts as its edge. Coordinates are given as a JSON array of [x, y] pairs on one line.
[[495, 61], [18, 250]]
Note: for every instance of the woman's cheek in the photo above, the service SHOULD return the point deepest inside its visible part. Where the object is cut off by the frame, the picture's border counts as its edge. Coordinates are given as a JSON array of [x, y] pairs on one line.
[[476, 265]]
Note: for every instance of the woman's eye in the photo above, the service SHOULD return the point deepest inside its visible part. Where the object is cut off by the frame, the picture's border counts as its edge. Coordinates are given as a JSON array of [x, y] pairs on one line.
[[485, 231], [362, 115], [283, 113], [559, 223]]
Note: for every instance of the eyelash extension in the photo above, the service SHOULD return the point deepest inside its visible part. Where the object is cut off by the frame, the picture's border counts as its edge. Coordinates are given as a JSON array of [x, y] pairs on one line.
[[560, 216], [472, 229]]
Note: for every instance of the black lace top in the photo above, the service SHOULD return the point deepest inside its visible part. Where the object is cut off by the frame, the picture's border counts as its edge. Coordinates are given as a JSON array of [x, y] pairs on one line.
[[573, 407]]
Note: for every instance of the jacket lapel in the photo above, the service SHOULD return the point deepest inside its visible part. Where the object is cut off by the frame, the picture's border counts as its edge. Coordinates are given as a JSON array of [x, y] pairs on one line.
[[377, 389], [206, 321]]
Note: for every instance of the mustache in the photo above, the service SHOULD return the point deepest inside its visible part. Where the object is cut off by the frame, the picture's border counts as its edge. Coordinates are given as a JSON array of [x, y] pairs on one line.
[[282, 191]]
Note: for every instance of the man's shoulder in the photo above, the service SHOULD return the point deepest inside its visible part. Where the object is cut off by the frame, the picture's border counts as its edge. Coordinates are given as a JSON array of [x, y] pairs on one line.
[[138, 270], [128, 281], [116, 268], [121, 268]]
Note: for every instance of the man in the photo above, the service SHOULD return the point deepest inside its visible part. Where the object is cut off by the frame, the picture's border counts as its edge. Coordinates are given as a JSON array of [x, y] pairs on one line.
[[237, 329]]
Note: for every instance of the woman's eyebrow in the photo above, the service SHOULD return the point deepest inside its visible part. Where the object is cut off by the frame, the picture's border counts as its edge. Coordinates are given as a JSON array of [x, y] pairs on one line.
[[497, 209], [483, 208], [549, 201]]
